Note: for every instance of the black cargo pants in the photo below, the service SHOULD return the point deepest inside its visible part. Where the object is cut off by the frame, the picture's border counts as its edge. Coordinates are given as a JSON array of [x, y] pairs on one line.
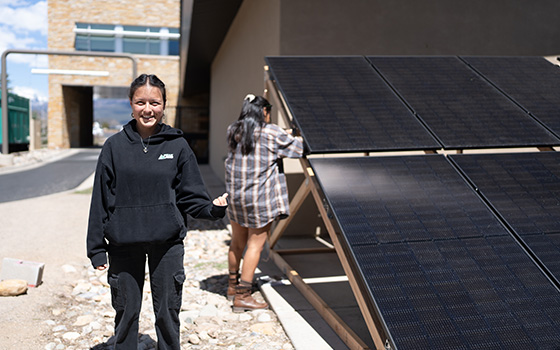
[[126, 278]]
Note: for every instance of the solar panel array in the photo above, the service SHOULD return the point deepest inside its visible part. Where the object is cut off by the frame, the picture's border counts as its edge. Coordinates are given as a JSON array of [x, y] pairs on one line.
[[340, 104], [462, 108], [532, 82], [524, 189], [347, 104], [451, 252], [441, 269]]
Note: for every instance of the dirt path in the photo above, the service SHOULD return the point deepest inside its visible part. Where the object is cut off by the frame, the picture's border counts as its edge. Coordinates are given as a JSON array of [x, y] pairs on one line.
[[51, 230]]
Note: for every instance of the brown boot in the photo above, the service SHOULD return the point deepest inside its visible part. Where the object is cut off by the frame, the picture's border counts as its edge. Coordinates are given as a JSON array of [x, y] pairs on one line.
[[243, 300], [233, 281]]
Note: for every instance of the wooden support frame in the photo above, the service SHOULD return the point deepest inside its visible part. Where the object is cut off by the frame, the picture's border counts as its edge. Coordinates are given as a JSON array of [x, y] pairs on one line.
[[344, 332], [295, 204]]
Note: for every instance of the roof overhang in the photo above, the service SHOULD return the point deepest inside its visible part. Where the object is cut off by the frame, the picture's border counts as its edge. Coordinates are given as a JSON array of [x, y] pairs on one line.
[[204, 25]]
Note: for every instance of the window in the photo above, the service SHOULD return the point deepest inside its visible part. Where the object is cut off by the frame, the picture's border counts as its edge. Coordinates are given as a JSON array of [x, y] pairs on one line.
[[128, 39]]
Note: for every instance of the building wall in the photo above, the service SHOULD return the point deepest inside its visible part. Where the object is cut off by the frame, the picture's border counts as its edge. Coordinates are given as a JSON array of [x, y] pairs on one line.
[[429, 27], [63, 14], [238, 69]]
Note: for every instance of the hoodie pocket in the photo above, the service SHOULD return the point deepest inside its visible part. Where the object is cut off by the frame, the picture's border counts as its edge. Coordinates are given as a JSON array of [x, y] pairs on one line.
[[144, 224]]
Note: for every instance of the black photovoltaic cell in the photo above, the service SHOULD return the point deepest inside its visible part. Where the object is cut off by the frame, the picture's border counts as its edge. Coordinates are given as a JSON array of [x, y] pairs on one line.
[[340, 104], [403, 199], [475, 293], [459, 106], [531, 81], [524, 188], [452, 277]]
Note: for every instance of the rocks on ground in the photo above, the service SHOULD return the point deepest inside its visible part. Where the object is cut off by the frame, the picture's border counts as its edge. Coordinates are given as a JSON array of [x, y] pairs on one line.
[[82, 317]]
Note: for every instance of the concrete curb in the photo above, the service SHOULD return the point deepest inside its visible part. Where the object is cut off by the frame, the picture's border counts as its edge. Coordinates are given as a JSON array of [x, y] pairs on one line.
[[301, 334], [86, 184], [60, 154]]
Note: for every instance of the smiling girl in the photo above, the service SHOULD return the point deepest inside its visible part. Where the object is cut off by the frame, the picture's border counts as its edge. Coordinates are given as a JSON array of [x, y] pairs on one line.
[[146, 182]]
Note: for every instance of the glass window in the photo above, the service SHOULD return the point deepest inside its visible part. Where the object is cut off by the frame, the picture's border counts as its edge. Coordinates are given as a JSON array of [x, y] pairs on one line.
[[102, 26], [154, 46], [173, 47], [115, 39], [102, 43], [134, 45], [135, 28], [82, 42]]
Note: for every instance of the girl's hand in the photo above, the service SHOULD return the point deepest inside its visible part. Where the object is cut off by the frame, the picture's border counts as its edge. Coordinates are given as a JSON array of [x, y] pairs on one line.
[[221, 200], [102, 267]]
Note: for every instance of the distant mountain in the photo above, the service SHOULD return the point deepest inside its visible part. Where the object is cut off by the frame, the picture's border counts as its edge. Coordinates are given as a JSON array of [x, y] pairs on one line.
[[114, 112], [39, 108], [111, 111]]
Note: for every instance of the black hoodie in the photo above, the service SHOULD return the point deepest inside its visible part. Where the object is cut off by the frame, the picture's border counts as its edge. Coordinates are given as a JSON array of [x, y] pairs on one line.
[[145, 197]]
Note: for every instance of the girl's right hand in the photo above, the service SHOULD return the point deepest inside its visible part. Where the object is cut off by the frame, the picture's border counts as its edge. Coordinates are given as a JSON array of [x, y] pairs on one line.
[[102, 267]]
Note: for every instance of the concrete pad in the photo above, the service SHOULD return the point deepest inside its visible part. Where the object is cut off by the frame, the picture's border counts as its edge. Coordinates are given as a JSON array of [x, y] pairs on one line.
[[29, 271], [302, 335]]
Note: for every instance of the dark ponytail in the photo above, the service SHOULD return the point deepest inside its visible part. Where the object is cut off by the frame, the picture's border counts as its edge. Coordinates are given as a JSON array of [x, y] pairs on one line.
[[242, 131]]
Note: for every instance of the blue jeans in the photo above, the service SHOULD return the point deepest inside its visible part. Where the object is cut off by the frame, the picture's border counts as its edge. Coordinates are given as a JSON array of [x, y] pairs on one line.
[[126, 278]]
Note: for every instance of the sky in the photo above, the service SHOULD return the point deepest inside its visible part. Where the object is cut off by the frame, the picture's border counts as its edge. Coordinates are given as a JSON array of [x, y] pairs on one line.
[[23, 25]]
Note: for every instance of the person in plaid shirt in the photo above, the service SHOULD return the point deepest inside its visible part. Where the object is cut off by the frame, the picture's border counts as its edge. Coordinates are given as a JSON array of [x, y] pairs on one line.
[[257, 191]]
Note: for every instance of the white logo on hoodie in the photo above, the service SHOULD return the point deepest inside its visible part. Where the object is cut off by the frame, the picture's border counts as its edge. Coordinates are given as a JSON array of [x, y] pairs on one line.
[[164, 156]]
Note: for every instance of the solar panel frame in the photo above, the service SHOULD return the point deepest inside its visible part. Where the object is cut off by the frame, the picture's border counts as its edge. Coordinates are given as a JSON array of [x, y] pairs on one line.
[[469, 292], [530, 81], [340, 104], [461, 108]]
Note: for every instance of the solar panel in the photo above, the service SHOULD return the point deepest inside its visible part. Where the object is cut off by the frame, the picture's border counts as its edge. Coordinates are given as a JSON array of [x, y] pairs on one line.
[[436, 283], [403, 199], [524, 188], [531, 81], [461, 108], [340, 104]]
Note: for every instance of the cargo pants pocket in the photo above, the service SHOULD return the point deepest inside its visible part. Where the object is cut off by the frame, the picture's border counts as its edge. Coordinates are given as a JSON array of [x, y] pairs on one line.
[[116, 294], [176, 294]]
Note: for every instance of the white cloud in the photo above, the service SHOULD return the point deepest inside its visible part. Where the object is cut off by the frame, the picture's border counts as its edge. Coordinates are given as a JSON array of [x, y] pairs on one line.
[[33, 61], [29, 93], [24, 17], [24, 25], [9, 40]]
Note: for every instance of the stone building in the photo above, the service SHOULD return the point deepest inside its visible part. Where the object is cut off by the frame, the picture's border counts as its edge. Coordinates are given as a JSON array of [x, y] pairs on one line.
[[147, 31]]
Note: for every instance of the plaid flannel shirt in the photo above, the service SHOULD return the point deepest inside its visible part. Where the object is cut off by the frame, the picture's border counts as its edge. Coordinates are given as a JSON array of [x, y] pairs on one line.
[[257, 189]]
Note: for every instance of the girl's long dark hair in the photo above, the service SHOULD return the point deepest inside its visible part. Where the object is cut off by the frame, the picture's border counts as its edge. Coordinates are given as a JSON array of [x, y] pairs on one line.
[[242, 131]]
